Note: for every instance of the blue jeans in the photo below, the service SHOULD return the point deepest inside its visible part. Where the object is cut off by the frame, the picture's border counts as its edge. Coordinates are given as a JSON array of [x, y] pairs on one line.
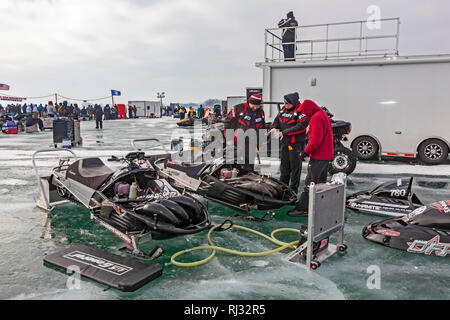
[[288, 50]]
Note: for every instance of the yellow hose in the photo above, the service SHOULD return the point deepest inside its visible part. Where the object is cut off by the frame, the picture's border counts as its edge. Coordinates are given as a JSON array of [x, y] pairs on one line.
[[282, 246]]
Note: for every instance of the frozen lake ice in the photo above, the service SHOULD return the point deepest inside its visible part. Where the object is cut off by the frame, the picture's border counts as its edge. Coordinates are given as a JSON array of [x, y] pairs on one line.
[[27, 234]]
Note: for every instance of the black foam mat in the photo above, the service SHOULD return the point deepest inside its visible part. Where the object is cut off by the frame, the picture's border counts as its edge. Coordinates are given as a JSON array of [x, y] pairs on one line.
[[106, 268]]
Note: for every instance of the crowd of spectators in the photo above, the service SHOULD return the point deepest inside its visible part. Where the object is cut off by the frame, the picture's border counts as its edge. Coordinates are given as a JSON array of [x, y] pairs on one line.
[[63, 109]]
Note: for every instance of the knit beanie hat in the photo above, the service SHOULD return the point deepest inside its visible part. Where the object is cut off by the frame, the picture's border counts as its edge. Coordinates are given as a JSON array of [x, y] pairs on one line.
[[292, 98], [255, 99]]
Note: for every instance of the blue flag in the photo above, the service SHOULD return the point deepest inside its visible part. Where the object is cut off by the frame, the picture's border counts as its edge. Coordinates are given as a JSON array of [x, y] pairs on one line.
[[115, 93]]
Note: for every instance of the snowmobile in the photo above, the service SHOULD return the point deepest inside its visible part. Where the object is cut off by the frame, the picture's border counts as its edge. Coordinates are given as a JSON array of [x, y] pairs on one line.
[[344, 158], [130, 202], [231, 185], [425, 230], [188, 122], [392, 198]]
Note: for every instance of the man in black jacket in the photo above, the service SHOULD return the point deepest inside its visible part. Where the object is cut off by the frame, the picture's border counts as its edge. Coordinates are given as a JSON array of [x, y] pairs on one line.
[[107, 112], [288, 36], [242, 117], [290, 126], [98, 113]]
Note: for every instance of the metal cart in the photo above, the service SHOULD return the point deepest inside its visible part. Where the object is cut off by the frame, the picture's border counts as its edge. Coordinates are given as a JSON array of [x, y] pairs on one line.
[[325, 218]]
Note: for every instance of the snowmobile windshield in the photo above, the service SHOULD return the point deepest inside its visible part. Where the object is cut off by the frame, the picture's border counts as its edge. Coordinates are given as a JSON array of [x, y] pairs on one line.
[[399, 189], [434, 215]]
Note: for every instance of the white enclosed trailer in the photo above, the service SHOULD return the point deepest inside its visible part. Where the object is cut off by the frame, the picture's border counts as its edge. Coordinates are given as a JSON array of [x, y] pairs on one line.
[[153, 109], [398, 105], [146, 108]]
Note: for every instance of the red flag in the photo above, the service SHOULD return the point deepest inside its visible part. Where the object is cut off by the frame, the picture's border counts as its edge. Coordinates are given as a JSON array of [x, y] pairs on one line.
[[4, 86]]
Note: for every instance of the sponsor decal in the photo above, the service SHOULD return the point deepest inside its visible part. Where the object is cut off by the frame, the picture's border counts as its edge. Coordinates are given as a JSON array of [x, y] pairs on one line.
[[98, 262], [397, 193], [111, 204], [323, 243], [443, 206], [116, 232], [388, 232], [430, 246], [414, 213], [380, 208]]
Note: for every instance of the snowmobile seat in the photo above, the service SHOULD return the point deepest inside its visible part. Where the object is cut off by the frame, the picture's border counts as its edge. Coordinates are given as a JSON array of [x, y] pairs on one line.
[[91, 172]]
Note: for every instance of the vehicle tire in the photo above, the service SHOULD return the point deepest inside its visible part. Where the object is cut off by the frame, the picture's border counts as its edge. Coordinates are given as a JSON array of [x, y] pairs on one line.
[[344, 161], [433, 151], [315, 265], [365, 148], [61, 192]]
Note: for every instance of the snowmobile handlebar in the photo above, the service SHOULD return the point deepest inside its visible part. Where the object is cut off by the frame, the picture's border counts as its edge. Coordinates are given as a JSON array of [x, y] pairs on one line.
[[130, 157]]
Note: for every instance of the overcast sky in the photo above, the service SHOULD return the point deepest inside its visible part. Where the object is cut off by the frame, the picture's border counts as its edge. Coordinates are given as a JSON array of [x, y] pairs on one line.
[[191, 49]]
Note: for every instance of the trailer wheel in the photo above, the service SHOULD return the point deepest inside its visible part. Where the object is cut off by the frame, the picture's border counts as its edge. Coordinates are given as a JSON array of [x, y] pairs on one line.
[[433, 151], [61, 192], [365, 147], [344, 161]]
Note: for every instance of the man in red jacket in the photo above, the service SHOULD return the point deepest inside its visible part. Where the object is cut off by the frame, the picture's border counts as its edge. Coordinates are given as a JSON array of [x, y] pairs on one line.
[[320, 150]]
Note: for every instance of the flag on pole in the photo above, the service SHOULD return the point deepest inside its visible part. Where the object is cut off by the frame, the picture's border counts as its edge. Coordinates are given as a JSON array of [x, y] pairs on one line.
[[115, 93], [4, 86]]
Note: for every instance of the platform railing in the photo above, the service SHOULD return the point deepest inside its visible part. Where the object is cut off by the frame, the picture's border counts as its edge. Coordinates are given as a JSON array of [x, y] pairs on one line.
[[273, 48]]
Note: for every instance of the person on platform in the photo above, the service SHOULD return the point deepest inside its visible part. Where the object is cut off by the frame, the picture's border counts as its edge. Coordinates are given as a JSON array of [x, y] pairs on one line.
[[288, 36]]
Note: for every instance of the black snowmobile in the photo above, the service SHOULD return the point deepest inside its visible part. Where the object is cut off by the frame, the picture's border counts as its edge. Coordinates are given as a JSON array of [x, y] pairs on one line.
[[130, 202], [392, 198], [425, 230], [231, 185], [188, 122], [344, 158]]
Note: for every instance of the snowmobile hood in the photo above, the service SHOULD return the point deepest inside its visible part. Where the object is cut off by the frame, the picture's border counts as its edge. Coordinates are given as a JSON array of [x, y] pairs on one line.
[[435, 215], [425, 230], [392, 198]]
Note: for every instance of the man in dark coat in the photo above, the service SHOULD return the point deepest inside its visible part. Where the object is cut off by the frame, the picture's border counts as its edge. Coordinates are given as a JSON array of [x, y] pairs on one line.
[[107, 112], [98, 113], [288, 36]]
